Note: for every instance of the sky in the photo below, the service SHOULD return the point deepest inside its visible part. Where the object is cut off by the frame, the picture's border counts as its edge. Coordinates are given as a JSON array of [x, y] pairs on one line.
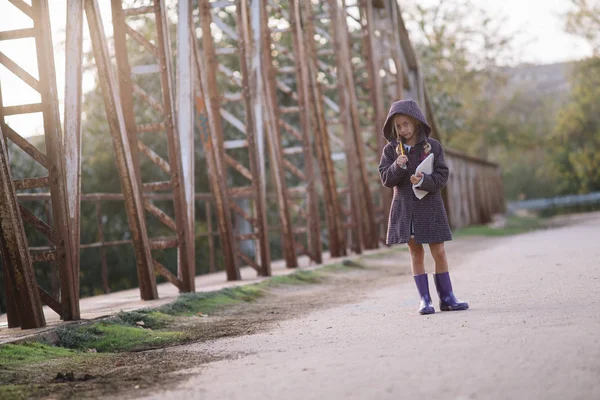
[[541, 40], [23, 52]]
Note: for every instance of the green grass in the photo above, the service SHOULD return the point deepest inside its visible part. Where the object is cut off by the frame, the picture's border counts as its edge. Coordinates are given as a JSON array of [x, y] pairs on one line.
[[346, 265], [151, 328], [18, 359], [114, 336], [385, 252], [16, 392], [514, 225], [311, 277], [173, 323], [150, 318], [31, 353], [297, 278], [129, 330], [190, 304]]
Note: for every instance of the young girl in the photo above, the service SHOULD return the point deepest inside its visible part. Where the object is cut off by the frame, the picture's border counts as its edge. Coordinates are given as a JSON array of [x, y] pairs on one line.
[[411, 220]]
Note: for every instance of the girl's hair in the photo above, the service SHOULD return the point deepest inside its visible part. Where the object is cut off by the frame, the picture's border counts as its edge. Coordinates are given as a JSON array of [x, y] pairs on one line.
[[418, 128]]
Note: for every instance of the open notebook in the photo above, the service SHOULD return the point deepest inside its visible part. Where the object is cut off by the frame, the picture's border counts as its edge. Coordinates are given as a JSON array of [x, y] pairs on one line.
[[426, 167]]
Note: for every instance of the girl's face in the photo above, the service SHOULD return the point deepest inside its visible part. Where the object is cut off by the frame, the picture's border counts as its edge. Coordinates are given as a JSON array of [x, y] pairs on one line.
[[406, 128]]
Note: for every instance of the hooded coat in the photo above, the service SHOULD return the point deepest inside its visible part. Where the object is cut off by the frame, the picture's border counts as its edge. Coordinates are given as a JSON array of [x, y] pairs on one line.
[[428, 215]]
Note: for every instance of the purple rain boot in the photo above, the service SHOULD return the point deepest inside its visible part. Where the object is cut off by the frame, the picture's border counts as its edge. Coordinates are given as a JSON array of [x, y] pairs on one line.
[[423, 287], [448, 302]]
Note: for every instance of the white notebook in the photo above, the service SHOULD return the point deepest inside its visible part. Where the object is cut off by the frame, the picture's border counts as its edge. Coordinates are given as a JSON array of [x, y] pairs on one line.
[[426, 167]]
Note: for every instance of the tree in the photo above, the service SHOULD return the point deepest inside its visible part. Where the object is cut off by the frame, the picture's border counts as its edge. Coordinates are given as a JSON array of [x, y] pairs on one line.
[[576, 139], [461, 49], [464, 53], [584, 21]]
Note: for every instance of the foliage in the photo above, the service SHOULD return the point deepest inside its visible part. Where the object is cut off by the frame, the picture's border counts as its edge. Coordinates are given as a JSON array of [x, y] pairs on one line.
[[584, 21], [544, 145], [461, 48], [575, 141]]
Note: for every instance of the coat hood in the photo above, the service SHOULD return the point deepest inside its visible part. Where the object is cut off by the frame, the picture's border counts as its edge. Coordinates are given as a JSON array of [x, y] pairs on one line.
[[406, 107]]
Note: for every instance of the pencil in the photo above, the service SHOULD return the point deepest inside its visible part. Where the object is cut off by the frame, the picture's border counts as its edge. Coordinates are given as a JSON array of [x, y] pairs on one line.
[[401, 147]]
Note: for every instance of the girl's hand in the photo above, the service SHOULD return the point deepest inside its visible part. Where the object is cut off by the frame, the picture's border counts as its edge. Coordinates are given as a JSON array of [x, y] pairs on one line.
[[401, 161], [414, 179]]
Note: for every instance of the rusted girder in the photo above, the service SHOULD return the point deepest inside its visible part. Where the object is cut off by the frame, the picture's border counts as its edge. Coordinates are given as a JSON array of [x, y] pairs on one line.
[[207, 107], [297, 155], [130, 183], [72, 125], [315, 113], [22, 296], [254, 93], [251, 172]]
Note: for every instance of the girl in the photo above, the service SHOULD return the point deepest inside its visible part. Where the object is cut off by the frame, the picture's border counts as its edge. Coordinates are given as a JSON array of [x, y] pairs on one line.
[[411, 220]]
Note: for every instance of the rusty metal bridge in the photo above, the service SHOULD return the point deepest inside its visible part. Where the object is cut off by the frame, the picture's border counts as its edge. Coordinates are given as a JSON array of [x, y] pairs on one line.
[[314, 81]]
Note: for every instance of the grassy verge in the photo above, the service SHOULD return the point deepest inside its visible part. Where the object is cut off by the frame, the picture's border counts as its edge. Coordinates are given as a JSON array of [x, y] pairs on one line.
[[159, 327], [19, 363], [30, 353], [151, 328], [385, 252], [193, 304], [115, 335], [16, 392], [81, 345], [514, 225]]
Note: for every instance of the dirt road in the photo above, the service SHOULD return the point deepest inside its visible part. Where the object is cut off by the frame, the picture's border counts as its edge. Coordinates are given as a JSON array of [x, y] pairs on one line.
[[533, 332]]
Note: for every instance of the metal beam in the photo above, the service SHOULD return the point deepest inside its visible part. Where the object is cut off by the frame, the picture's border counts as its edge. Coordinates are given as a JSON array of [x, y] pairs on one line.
[[22, 296], [262, 34], [183, 209], [185, 113], [251, 96], [123, 152], [72, 121], [315, 114], [65, 249], [207, 108]]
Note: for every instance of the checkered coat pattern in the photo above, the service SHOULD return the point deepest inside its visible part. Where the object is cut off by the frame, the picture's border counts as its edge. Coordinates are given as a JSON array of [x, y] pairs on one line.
[[428, 215]]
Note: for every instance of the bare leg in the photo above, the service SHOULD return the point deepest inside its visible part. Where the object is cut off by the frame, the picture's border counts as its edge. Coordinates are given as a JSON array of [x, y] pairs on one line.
[[439, 255], [417, 257], [448, 301], [417, 260]]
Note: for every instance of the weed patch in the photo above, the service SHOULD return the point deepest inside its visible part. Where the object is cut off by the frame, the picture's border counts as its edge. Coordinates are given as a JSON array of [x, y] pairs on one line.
[[190, 304], [514, 226], [31, 353], [17, 392], [147, 318], [114, 336], [297, 278]]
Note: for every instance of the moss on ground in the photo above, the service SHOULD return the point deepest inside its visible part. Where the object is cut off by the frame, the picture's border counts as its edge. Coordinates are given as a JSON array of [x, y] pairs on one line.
[[190, 304], [114, 336], [297, 278], [30, 353], [17, 392]]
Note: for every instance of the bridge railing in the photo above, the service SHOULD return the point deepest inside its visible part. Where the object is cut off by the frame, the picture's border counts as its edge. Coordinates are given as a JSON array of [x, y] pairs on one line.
[[554, 202], [474, 193], [294, 109]]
